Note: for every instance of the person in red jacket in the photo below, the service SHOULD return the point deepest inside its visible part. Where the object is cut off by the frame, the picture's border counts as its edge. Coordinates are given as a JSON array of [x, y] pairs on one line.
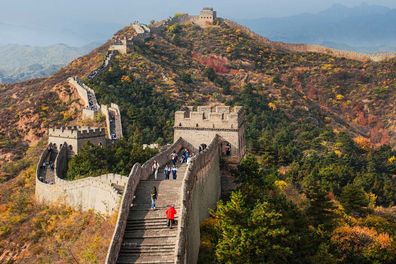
[[170, 214]]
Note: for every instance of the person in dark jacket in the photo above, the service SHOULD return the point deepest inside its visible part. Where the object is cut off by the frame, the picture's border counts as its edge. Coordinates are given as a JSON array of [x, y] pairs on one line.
[[167, 171], [170, 215], [154, 195]]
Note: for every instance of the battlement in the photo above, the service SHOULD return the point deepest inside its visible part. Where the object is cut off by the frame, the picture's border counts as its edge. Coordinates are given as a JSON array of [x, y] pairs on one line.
[[76, 132], [207, 117]]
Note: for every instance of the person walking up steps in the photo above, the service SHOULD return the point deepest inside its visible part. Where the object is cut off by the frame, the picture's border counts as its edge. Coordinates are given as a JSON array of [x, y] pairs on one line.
[[154, 195], [174, 157], [170, 215], [155, 169], [174, 172], [166, 172]]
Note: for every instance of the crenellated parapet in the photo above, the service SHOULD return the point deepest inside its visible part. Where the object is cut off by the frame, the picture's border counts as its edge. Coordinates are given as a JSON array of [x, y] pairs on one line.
[[76, 132], [76, 137], [206, 117]]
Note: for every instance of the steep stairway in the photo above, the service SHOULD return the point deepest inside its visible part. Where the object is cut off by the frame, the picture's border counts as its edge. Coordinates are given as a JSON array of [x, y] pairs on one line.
[[147, 238]]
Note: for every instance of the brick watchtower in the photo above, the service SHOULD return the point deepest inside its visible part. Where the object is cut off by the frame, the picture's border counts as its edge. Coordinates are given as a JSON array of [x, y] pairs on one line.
[[200, 126]]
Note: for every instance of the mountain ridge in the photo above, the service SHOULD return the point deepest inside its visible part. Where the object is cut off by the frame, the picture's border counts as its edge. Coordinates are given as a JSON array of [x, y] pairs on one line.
[[184, 64], [365, 25]]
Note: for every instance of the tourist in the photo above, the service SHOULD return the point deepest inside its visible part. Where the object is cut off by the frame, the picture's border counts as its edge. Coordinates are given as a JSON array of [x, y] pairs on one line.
[[174, 157], [167, 170], [185, 155], [170, 215], [174, 172], [154, 195], [189, 158], [228, 149], [155, 169]]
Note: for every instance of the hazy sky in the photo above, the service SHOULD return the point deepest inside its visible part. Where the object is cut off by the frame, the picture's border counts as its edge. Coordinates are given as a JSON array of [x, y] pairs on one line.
[[67, 16]]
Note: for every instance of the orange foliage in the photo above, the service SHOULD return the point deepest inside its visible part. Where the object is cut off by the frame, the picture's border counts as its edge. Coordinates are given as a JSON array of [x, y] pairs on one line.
[[363, 142], [358, 239]]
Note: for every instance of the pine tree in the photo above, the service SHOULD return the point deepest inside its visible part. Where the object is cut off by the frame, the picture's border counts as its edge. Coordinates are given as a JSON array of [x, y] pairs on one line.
[[321, 210]]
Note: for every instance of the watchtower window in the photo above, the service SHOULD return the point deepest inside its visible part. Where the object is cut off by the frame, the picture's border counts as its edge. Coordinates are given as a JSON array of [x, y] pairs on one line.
[[203, 116], [197, 125], [222, 116], [180, 124]]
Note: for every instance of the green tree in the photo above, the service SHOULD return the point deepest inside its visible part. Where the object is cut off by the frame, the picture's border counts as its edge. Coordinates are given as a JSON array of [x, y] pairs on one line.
[[320, 210], [354, 199], [250, 235]]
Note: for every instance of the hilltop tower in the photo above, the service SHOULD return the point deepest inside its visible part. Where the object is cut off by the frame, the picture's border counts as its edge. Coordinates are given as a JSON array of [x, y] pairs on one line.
[[200, 126], [207, 15], [76, 137]]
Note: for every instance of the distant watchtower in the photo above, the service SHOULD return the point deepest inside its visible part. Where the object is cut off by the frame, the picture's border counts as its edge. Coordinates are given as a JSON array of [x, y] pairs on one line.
[[207, 15], [200, 126]]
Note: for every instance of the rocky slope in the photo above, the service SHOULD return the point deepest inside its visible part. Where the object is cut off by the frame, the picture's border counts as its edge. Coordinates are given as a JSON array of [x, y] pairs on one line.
[[185, 64]]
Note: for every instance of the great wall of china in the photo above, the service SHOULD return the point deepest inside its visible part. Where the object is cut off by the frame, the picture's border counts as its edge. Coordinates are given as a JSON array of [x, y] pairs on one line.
[[214, 134]]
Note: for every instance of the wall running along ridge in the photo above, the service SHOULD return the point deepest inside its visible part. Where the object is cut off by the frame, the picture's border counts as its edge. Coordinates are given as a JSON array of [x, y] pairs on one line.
[[96, 193], [351, 55], [201, 190], [139, 172]]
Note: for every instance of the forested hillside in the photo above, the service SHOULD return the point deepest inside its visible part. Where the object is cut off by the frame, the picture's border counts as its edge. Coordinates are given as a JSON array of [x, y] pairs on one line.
[[318, 183]]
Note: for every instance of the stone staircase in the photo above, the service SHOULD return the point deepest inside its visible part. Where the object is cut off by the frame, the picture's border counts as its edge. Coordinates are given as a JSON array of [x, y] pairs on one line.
[[147, 239]]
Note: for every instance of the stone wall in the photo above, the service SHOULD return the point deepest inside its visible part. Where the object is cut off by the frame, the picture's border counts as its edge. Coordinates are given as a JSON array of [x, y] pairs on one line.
[[96, 193], [118, 121], [105, 111], [93, 193], [139, 172], [83, 93], [201, 190]]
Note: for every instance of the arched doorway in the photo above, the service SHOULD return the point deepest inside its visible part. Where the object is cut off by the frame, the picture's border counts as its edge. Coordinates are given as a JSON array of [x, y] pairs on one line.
[[202, 147]]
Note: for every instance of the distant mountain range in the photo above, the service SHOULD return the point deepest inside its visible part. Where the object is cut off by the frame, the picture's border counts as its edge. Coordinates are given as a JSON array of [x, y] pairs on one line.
[[19, 62], [364, 28]]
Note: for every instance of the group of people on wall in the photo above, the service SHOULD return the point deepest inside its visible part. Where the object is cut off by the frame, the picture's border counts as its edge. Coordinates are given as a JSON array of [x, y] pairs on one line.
[[170, 168]]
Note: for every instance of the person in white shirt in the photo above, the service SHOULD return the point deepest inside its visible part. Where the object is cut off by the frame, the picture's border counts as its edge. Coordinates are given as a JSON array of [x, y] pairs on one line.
[[155, 169]]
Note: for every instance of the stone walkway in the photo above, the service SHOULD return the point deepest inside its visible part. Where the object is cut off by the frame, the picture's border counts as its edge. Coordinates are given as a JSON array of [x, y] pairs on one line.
[[47, 175], [147, 239]]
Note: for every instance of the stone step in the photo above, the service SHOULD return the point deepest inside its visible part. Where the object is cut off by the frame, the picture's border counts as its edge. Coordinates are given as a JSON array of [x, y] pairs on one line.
[[148, 220], [150, 241], [127, 250], [151, 233], [146, 258], [162, 203], [156, 226], [147, 223], [149, 245], [147, 213]]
